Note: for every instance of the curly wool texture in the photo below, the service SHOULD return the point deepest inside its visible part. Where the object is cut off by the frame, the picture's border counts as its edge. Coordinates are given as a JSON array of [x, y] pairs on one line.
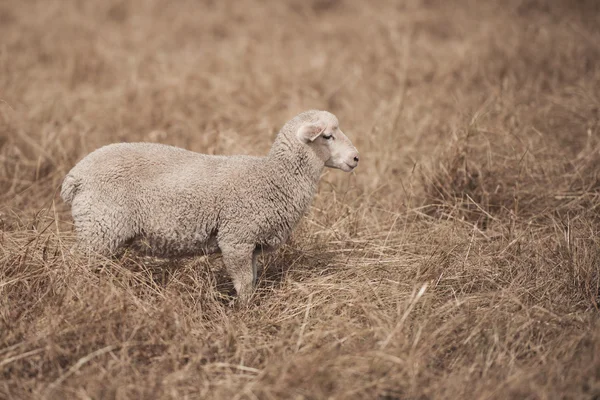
[[174, 202]]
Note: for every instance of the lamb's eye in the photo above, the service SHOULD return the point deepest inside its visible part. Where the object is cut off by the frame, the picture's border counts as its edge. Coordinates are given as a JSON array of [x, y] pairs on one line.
[[327, 137]]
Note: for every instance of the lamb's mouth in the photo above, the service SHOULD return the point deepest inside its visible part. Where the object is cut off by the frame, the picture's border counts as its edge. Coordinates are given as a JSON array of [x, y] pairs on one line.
[[350, 167]]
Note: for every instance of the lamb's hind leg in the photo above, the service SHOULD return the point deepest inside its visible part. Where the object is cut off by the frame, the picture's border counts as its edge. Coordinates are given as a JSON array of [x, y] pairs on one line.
[[91, 242], [240, 263], [100, 233]]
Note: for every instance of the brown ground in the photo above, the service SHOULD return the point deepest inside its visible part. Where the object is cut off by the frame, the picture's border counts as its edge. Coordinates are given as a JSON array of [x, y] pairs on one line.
[[460, 260]]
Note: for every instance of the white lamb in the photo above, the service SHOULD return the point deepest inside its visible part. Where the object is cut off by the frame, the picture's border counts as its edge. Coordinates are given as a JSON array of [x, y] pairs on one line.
[[176, 202]]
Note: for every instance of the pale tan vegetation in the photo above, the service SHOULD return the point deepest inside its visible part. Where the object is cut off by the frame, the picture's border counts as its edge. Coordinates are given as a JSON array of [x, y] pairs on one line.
[[460, 260]]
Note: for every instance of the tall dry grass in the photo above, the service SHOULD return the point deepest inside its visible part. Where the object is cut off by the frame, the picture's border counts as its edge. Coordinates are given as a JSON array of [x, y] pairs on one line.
[[460, 260]]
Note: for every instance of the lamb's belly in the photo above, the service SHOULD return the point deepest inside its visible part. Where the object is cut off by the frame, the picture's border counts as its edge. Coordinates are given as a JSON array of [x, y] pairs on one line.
[[181, 245]]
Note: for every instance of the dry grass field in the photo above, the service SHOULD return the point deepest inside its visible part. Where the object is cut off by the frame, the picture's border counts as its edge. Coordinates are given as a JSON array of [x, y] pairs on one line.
[[460, 260]]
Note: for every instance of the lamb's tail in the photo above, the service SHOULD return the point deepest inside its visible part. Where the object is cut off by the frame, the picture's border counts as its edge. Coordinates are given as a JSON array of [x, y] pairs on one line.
[[69, 189]]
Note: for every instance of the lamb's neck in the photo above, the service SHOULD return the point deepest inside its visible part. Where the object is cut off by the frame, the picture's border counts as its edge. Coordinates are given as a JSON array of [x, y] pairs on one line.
[[297, 167], [294, 172]]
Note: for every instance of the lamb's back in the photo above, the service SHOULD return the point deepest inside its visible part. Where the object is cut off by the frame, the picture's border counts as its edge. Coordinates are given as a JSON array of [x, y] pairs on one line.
[[152, 169], [147, 163]]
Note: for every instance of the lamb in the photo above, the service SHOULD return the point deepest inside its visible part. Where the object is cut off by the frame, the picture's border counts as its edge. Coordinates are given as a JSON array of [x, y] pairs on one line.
[[171, 202]]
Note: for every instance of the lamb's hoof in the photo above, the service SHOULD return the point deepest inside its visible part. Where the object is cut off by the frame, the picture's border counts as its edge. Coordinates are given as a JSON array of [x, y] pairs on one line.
[[242, 302]]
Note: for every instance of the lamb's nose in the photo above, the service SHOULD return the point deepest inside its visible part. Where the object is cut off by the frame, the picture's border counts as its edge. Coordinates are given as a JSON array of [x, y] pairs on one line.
[[356, 158]]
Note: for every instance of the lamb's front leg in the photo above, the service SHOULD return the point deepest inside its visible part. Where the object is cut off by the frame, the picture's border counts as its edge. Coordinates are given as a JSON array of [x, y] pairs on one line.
[[240, 261]]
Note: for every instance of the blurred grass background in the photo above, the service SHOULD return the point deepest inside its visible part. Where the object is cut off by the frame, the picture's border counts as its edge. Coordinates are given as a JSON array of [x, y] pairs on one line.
[[460, 260]]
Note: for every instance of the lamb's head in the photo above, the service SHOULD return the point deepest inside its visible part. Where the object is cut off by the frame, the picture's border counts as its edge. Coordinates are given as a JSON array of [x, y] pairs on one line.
[[320, 131]]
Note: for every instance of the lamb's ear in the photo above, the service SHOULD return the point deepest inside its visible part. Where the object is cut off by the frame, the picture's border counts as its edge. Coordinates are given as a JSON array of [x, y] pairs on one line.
[[310, 131]]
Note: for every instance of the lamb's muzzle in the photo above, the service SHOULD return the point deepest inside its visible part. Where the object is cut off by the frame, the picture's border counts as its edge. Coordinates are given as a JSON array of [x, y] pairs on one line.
[[354, 163], [181, 203]]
